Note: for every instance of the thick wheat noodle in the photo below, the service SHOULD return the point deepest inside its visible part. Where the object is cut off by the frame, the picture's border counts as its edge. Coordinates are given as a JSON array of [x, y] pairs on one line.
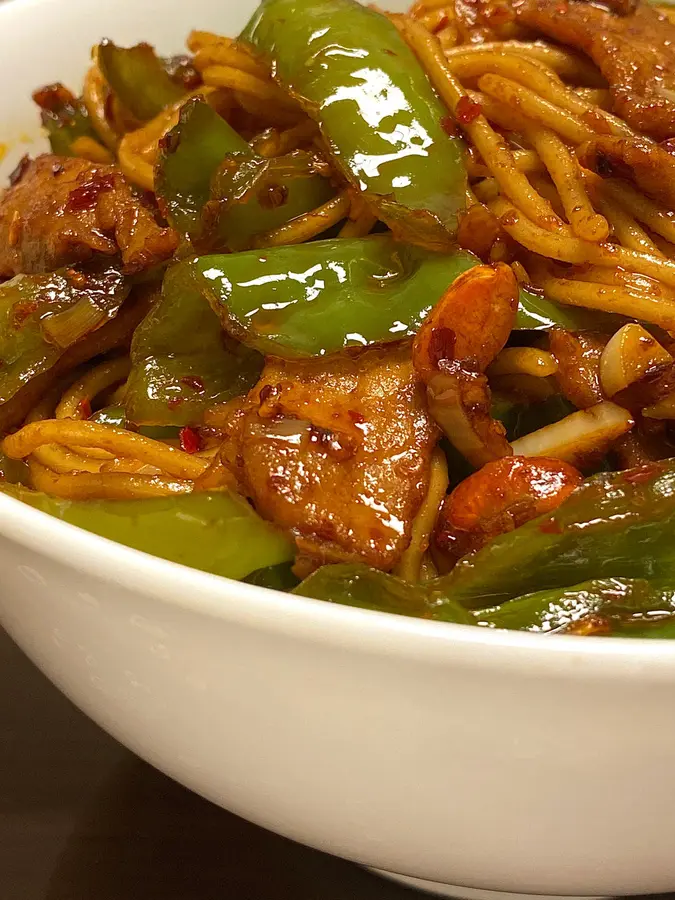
[[219, 54], [528, 103], [410, 564], [245, 83], [137, 151], [94, 97], [600, 97], [54, 456], [655, 217], [76, 400], [526, 161], [136, 169], [566, 174], [624, 227], [537, 78], [665, 247], [270, 113], [304, 228], [490, 145], [90, 434], [574, 250], [568, 65], [360, 225], [657, 310], [273, 142], [90, 149], [114, 486], [198, 39]]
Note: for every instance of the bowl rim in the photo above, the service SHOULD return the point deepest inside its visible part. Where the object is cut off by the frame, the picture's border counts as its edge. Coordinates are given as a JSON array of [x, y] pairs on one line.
[[298, 617]]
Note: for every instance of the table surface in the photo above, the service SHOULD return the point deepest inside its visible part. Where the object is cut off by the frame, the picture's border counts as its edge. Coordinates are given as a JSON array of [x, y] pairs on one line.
[[81, 818]]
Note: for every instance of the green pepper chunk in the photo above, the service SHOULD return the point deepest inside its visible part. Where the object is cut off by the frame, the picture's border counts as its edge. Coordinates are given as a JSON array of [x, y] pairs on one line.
[[616, 525], [352, 72], [64, 118], [181, 362], [42, 315], [277, 578], [618, 607], [139, 79], [218, 532], [322, 297], [204, 159], [360, 586], [537, 313]]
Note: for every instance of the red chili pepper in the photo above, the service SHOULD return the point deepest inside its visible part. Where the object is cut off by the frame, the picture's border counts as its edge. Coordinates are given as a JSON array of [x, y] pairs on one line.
[[190, 441], [84, 408], [467, 110], [194, 382]]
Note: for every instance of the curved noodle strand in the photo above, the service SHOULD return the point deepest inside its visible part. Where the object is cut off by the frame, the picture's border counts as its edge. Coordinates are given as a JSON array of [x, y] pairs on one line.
[[88, 486], [117, 441]]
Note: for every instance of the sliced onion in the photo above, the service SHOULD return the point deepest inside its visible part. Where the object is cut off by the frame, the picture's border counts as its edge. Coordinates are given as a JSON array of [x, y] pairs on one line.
[[578, 437], [630, 353], [523, 361]]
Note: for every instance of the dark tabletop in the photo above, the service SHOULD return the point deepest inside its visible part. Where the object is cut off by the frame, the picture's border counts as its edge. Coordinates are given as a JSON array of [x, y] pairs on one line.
[[81, 818]]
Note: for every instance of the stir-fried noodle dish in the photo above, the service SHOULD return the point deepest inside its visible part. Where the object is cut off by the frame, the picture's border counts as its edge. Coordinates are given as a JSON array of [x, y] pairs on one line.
[[376, 308]]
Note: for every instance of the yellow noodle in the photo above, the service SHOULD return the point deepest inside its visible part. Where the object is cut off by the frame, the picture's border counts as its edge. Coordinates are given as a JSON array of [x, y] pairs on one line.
[[90, 386], [566, 175], [81, 394], [245, 83], [219, 54], [563, 62], [574, 250], [409, 566], [199, 39], [87, 148], [116, 440], [537, 78], [490, 145], [115, 486], [655, 217], [304, 228], [526, 161], [529, 104], [269, 113], [361, 225], [600, 97], [624, 226], [94, 96], [624, 300], [53, 456], [273, 142]]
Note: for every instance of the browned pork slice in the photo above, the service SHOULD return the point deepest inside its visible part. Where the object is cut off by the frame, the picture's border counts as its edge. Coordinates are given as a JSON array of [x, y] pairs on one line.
[[62, 210], [635, 52], [651, 167], [337, 450]]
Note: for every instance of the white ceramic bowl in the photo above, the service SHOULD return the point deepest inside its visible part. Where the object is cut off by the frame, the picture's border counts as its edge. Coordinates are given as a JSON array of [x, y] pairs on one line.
[[492, 760]]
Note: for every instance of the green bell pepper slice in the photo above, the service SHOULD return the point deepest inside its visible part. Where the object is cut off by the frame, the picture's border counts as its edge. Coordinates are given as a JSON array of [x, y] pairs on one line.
[[618, 607], [203, 160], [352, 72], [216, 532], [353, 584], [181, 362], [615, 525], [42, 315], [621, 607], [139, 79], [325, 296]]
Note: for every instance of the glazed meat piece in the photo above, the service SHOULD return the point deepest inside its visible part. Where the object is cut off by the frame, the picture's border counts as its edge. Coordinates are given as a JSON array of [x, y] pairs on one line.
[[651, 167], [337, 450], [500, 497], [635, 53], [62, 210]]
